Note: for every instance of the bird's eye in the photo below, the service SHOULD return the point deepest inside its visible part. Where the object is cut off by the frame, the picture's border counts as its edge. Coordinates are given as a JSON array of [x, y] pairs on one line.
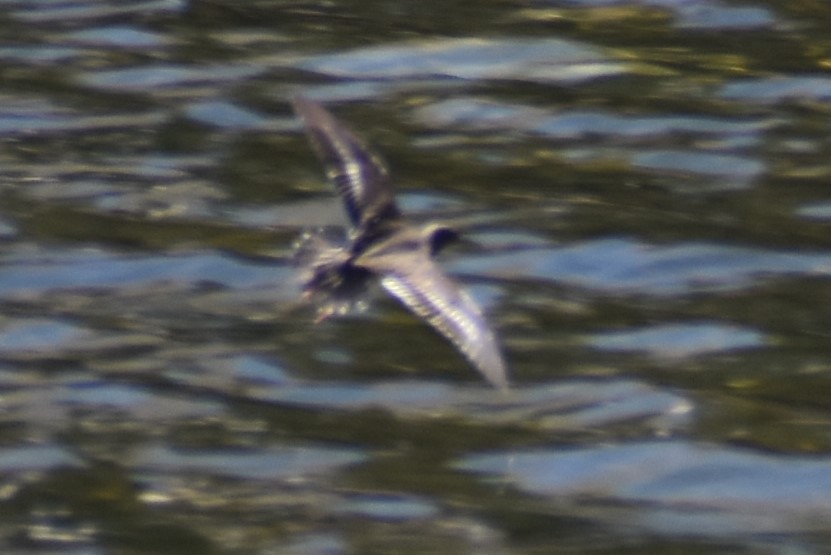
[[441, 237]]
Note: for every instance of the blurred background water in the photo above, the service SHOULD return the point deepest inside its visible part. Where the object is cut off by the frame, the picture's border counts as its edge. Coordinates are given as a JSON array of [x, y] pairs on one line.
[[646, 186]]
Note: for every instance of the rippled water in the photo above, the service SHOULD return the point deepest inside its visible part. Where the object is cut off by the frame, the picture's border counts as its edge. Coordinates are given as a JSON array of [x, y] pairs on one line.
[[644, 187]]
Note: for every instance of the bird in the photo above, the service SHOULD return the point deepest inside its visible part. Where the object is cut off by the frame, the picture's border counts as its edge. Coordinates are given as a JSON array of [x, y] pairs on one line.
[[383, 246]]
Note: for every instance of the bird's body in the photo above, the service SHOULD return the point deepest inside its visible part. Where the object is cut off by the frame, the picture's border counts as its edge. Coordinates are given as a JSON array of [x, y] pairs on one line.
[[383, 245]]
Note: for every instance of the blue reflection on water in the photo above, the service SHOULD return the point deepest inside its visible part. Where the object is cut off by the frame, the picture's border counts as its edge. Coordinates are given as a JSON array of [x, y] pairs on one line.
[[78, 268], [616, 264], [748, 491], [679, 340]]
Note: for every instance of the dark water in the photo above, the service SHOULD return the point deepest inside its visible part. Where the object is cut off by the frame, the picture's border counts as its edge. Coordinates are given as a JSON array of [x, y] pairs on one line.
[[647, 190]]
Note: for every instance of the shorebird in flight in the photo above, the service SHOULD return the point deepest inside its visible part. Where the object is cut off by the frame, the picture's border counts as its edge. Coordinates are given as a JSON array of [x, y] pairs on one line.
[[382, 245]]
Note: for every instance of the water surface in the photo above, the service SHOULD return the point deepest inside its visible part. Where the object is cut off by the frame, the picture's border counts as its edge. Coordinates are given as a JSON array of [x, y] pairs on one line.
[[644, 187]]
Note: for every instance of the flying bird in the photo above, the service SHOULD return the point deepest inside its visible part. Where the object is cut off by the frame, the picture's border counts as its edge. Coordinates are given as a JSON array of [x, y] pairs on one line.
[[382, 245]]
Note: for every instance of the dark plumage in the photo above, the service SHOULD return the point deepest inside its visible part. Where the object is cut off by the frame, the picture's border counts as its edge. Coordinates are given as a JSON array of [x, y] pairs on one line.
[[385, 246]]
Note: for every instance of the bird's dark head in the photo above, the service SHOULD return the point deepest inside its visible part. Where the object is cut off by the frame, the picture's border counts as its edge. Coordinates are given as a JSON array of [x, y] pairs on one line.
[[439, 236]]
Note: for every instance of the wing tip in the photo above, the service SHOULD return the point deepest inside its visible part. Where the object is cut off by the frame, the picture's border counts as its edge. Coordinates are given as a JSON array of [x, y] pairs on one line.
[[495, 371], [308, 109]]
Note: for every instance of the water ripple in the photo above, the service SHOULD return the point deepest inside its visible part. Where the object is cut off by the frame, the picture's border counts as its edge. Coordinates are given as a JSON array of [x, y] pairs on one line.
[[91, 268], [477, 113], [623, 265], [543, 61], [680, 485], [705, 15], [778, 89], [119, 36], [150, 78], [565, 405], [679, 340], [81, 11], [261, 464], [35, 458]]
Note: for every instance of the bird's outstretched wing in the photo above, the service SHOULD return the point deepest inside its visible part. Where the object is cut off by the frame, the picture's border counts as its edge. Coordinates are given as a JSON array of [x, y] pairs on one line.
[[361, 179], [423, 288]]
